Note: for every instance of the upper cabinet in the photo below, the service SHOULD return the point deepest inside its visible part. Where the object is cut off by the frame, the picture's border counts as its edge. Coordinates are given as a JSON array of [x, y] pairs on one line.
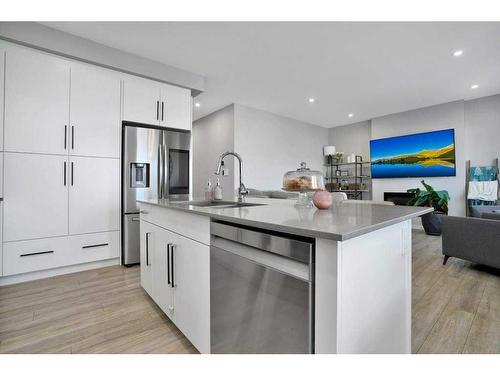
[[95, 112], [175, 107], [37, 89], [141, 101], [150, 102], [55, 106]]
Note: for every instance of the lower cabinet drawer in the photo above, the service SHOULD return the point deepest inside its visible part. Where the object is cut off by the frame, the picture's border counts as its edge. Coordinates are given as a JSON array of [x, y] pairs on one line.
[[36, 255], [93, 247]]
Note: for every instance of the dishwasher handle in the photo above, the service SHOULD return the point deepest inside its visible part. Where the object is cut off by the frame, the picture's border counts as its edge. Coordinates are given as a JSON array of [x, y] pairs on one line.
[[266, 259], [297, 250]]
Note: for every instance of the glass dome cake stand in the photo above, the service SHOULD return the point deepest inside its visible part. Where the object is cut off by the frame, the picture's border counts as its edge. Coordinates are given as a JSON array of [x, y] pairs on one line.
[[304, 181]]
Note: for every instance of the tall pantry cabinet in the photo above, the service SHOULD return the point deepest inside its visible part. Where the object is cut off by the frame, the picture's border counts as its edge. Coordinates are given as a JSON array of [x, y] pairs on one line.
[[61, 163]]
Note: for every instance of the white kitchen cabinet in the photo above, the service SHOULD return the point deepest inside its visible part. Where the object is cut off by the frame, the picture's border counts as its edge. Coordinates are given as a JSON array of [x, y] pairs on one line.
[[192, 290], [36, 102], [141, 100], [48, 253], [94, 194], [163, 293], [150, 102], [35, 196], [147, 242], [95, 112], [175, 111], [2, 81]]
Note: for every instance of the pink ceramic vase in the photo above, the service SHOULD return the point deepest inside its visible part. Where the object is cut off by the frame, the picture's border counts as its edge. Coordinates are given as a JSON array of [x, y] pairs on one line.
[[322, 199]]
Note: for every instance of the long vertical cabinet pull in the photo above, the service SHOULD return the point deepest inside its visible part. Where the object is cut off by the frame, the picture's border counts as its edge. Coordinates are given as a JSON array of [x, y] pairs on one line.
[[72, 174], [157, 109], [72, 137], [64, 172], [168, 264], [65, 136], [147, 248], [172, 266], [162, 110]]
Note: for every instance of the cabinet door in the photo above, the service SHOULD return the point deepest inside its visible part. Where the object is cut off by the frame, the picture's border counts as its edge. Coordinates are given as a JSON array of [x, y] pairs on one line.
[[141, 101], [148, 234], [2, 80], [192, 290], [95, 112], [162, 291], [36, 102], [175, 111], [94, 195], [35, 196]]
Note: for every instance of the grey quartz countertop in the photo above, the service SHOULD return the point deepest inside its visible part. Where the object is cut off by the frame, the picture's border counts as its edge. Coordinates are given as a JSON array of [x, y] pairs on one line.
[[341, 222]]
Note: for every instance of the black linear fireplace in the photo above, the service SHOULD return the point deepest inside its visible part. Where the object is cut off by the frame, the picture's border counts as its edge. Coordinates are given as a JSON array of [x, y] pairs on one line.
[[399, 198]]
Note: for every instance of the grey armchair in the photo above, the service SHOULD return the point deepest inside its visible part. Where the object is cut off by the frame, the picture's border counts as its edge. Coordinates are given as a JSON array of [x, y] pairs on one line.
[[474, 239]]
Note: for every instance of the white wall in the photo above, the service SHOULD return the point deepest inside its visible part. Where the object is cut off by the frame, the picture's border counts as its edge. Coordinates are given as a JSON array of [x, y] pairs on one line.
[[482, 130], [352, 139], [213, 135], [272, 145]]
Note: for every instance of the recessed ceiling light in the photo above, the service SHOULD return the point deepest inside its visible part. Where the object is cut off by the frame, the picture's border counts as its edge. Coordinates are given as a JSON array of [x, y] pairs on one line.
[[311, 100], [197, 105], [350, 115], [458, 53], [473, 87]]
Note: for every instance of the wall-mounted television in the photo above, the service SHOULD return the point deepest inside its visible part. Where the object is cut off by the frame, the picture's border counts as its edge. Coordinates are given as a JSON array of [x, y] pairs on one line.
[[430, 154]]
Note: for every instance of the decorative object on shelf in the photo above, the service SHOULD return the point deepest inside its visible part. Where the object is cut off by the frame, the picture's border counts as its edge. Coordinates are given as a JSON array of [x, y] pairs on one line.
[[437, 199], [329, 151], [303, 180], [338, 156], [322, 199], [351, 158]]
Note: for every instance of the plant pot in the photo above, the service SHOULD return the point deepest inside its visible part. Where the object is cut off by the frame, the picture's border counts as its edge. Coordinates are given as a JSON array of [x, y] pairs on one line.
[[432, 223]]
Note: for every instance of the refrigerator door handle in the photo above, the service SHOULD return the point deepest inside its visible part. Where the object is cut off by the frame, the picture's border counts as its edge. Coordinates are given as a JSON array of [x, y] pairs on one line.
[[160, 172], [165, 181]]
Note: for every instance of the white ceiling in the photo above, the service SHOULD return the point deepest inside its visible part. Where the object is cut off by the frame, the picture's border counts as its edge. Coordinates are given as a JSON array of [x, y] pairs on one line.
[[368, 69]]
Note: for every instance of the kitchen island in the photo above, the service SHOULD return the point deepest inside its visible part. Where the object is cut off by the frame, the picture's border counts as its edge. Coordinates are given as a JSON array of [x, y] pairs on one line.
[[359, 270]]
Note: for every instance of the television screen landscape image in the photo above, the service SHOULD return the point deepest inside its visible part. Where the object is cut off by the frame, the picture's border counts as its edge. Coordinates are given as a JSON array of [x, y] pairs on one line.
[[429, 154]]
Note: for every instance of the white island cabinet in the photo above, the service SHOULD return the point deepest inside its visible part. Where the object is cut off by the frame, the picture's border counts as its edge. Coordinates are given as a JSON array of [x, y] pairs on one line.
[[175, 269], [361, 269]]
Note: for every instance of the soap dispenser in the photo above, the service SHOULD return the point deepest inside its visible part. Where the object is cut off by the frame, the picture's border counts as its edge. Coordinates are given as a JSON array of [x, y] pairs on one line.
[[218, 191], [209, 191]]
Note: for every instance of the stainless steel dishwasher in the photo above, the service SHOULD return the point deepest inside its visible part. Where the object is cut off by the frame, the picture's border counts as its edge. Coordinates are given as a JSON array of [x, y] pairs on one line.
[[261, 291]]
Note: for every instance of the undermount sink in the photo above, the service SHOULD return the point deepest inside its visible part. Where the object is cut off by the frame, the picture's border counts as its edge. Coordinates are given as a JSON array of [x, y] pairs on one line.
[[224, 204]]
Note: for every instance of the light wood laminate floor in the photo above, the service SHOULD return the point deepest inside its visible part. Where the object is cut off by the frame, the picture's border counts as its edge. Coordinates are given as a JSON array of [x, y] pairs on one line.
[[456, 308]]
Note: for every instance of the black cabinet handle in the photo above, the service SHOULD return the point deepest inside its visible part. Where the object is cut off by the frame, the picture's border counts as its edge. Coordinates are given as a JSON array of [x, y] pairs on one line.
[[168, 264], [38, 253], [161, 111], [65, 136], [172, 247], [64, 173], [72, 174], [98, 245], [147, 248], [72, 137], [157, 110]]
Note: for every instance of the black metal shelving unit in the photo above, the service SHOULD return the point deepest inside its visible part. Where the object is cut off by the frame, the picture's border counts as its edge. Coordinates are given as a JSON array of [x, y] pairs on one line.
[[357, 177]]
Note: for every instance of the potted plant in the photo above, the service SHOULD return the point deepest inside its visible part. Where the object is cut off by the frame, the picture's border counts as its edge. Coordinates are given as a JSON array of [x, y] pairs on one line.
[[437, 199]]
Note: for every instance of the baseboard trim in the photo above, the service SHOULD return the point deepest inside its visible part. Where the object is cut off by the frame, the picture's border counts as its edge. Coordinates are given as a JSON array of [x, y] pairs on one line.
[[15, 279]]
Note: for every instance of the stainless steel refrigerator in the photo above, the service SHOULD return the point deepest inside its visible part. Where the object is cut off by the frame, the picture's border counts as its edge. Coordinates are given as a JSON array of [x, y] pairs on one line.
[[155, 165]]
